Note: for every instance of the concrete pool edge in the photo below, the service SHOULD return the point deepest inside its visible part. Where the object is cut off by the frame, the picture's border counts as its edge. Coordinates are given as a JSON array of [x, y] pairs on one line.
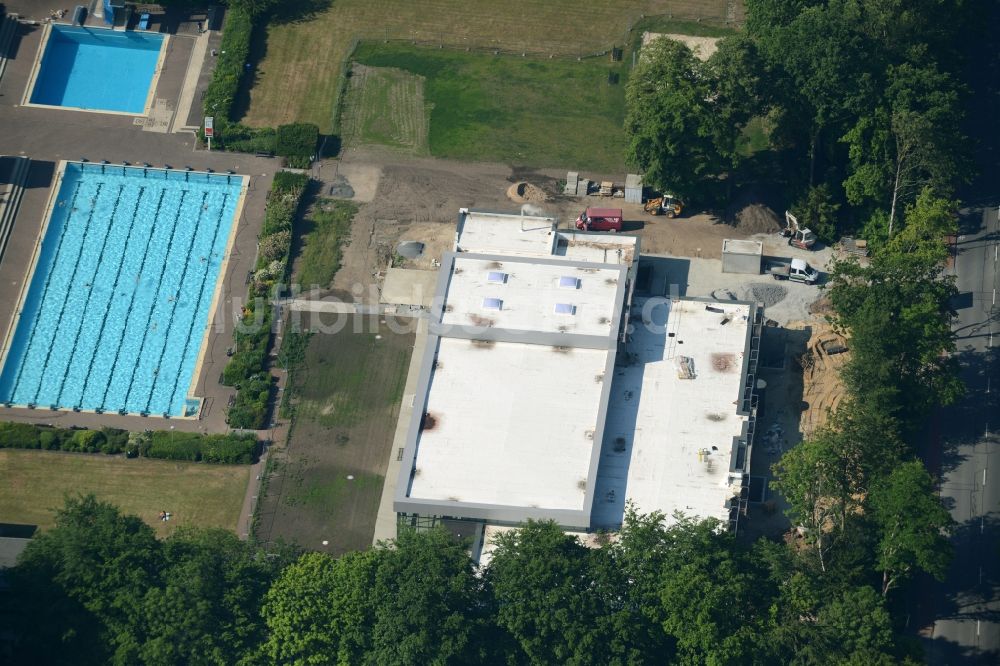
[[36, 67], [47, 212], [15, 318], [217, 300]]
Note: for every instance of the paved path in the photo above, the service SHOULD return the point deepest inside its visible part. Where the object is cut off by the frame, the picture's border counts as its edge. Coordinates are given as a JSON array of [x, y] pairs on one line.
[[190, 84], [385, 520]]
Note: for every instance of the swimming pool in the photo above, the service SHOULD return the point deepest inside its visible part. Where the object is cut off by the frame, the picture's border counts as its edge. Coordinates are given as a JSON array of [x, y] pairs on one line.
[[118, 305], [97, 69]]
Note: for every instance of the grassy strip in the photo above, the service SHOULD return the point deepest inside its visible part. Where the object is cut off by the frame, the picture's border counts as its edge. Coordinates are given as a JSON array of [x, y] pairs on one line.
[[291, 357], [36, 483], [520, 110], [247, 370], [324, 233], [195, 447]]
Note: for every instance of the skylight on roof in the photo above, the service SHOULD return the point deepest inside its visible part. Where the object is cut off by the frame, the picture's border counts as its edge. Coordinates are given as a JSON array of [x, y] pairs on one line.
[[565, 308], [569, 282], [497, 277], [492, 304]]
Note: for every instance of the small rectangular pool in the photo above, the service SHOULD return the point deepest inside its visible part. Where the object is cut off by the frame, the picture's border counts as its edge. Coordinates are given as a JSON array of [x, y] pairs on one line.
[[97, 69], [120, 298]]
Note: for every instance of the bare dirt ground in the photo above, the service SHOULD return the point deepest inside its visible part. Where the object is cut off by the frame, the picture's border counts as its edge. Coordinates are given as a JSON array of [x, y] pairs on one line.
[[417, 199], [822, 389], [702, 47]]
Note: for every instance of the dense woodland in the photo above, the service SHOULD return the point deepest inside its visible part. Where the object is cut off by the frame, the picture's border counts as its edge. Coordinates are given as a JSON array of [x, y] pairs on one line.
[[865, 103]]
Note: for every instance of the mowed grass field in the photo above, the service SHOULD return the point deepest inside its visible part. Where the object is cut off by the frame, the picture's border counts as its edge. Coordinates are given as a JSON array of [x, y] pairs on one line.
[[300, 63], [544, 113], [326, 485], [35, 483], [385, 106]]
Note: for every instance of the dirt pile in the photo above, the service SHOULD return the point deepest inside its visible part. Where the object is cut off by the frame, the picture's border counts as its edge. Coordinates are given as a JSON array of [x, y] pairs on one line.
[[525, 193], [755, 218], [764, 292], [826, 353]]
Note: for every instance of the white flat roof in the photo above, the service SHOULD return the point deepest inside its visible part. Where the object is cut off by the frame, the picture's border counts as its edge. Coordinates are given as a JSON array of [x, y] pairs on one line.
[[668, 441], [742, 246], [498, 233], [512, 424], [543, 297], [596, 248]]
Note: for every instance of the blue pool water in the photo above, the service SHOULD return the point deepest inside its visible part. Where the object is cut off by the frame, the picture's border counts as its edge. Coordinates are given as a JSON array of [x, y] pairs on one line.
[[97, 68], [118, 305]]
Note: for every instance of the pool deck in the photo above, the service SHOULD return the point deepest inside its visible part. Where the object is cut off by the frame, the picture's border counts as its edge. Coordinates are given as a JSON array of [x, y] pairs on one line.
[[51, 135]]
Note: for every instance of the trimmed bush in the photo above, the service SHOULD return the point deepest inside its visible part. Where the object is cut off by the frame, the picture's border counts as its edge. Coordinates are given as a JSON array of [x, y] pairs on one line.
[[297, 142]]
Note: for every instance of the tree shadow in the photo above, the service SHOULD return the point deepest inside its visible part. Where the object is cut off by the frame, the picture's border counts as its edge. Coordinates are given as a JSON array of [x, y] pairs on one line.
[[296, 11], [251, 73]]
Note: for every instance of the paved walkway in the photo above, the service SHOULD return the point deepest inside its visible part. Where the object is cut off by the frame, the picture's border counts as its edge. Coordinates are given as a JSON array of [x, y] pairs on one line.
[[385, 521], [190, 84], [341, 307]]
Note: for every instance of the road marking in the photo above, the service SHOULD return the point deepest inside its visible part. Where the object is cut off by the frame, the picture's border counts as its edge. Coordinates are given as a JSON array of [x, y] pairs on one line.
[[977, 628]]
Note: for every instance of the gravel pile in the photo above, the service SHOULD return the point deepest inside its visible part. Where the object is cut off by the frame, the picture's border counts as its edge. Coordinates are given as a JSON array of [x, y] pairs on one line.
[[766, 293]]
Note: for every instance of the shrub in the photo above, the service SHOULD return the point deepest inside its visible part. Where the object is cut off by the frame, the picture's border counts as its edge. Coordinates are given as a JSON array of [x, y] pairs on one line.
[[250, 409], [19, 436], [298, 140], [286, 181], [275, 246]]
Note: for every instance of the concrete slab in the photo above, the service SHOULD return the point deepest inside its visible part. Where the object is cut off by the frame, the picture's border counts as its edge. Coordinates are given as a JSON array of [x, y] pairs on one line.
[[407, 286], [385, 521]]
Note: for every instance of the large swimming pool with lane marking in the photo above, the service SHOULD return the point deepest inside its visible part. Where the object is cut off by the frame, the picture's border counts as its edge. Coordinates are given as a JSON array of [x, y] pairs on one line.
[[118, 304]]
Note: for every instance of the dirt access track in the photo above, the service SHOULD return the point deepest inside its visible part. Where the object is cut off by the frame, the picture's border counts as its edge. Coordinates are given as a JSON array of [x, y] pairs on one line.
[[417, 199]]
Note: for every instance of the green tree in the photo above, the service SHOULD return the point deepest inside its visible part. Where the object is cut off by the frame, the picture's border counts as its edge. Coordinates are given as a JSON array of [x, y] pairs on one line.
[[912, 526], [79, 588], [207, 608], [817, 210], [428, 602], [928, 221], [550, 597], [675, 134], [321, 610], [710, 594]]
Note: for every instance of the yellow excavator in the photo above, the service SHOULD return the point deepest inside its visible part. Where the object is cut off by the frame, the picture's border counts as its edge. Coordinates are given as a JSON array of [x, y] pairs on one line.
[[668, 205]]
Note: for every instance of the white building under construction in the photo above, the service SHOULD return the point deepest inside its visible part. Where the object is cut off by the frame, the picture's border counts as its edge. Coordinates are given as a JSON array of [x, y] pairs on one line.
[[551, 389]]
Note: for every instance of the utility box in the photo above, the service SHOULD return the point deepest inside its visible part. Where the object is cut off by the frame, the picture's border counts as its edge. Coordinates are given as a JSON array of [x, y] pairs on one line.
[[742, 256], [633, 188]]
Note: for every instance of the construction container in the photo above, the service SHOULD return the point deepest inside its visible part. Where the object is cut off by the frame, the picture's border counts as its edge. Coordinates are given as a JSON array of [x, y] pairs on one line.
[[742, 256], [633, 188]]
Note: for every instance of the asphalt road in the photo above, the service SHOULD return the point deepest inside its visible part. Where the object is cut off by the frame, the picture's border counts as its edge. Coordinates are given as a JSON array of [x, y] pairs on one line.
[[966, 607]]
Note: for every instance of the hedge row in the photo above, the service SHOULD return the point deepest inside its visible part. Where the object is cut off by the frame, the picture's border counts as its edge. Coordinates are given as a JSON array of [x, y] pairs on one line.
[[233, 54], [155, 444], [247, 369], [231, 448], [296, 142]]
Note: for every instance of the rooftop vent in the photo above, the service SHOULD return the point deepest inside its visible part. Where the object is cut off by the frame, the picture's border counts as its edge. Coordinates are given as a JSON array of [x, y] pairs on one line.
[[492, 304], [497, 277]]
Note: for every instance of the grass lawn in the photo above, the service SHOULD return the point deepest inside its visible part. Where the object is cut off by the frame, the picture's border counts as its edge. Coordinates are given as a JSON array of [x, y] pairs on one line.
[[326, 485], [542, 113], [323, 232], [300, 63], [385, 106], [35, 483]]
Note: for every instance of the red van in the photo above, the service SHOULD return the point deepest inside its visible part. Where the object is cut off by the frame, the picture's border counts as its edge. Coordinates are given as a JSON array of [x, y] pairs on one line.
[[600, 219]]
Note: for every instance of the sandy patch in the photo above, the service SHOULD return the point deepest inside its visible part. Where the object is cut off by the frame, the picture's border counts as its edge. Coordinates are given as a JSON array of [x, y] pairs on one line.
[[702, 47]]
